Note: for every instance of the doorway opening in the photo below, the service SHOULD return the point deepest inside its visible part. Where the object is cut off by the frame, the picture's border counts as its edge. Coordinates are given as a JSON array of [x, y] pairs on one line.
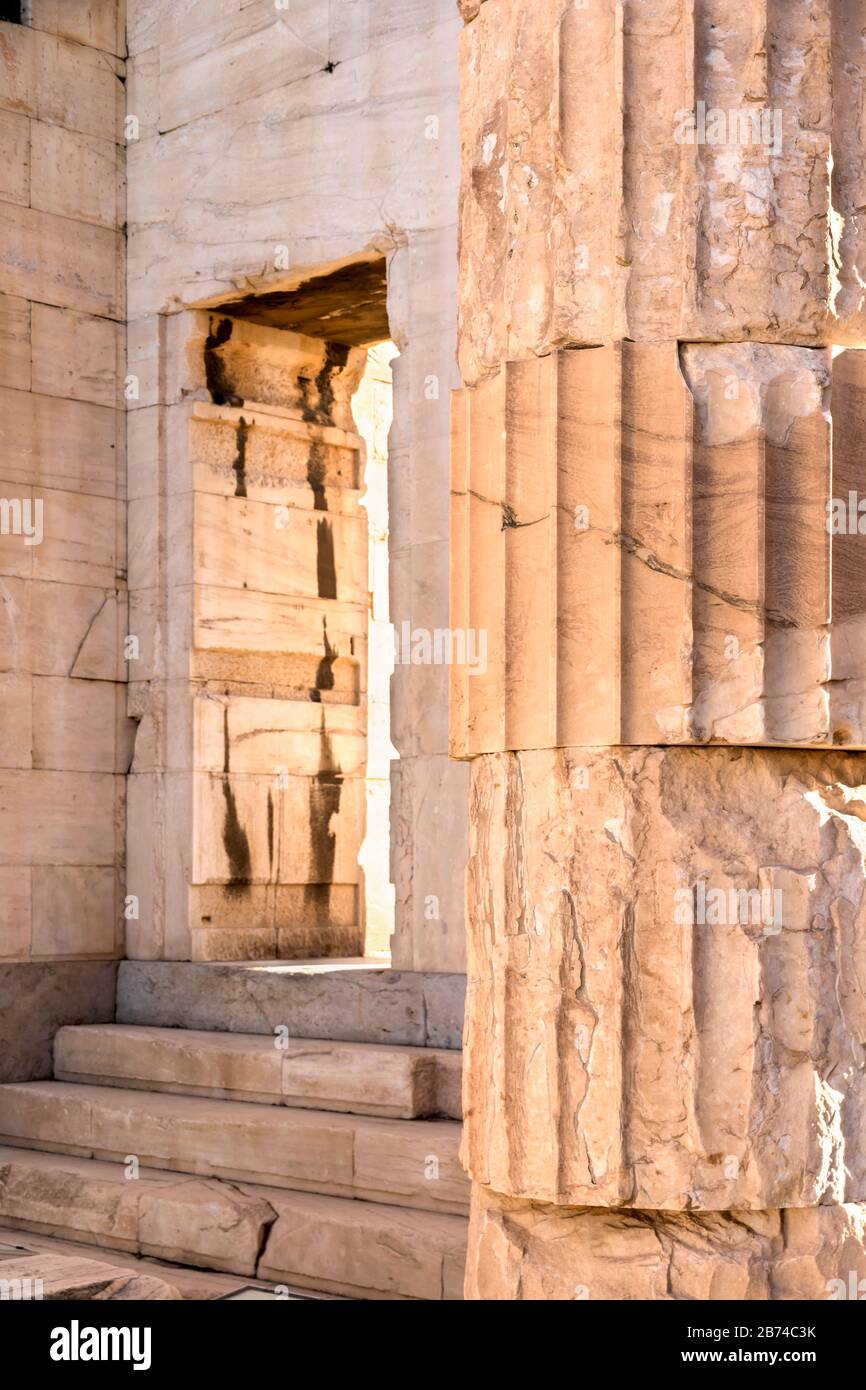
[[299, 383]]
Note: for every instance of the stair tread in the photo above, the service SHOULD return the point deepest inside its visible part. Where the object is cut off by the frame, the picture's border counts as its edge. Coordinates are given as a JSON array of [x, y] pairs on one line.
[[402, 1162], [250, 1041], [111, 1172], [163, 1102], [384, 1079]]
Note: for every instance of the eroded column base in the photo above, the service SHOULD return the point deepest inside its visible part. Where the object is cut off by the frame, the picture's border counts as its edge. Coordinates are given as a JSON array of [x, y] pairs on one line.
[[531, 1251]]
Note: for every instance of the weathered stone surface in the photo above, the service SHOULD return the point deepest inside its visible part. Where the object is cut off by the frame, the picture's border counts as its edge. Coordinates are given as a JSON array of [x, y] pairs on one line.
[[37, 998], [200, 1222], [137, 1288], [402, 1083], [62, 1278], [267, 524], [449, 1085], [77, 266], [411, 1164], [413, 174], [15, 342], [16, 908], [210, 1223], [60, 81], [648, 175], [290, 378], [89, 1201], [343, 1002], [15, 147], [363, 1248], [55, 818], [76, 912], [74, 175], [641, 532], [331, 1244], [525, 1250], [79, 726], [76, 356], [643, 1028], [215, 61]]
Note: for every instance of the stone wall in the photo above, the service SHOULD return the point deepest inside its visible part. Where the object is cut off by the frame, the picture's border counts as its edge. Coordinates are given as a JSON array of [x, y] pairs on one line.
[[64, 738], [268, 148], [660, 301]]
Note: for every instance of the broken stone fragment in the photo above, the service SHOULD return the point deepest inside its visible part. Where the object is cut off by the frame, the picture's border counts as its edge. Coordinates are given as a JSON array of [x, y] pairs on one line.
[[64, 1278]]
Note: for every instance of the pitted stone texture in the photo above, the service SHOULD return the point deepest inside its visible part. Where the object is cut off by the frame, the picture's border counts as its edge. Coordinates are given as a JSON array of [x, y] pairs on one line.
[[849, 153], [528, 1251], [657, 170], [239, 361], [615, 1053]]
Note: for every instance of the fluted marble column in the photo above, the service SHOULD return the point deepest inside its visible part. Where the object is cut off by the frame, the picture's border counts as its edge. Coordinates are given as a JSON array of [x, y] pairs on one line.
[[657, 470]]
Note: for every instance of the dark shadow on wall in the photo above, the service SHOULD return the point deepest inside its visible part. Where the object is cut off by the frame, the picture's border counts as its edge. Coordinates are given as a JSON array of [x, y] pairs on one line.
[[37, 998]]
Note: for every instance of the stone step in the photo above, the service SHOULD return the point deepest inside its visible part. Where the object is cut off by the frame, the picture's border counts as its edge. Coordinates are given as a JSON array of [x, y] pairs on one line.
[[403, 1163], [346, 1001], [361, 1078], [378, 1251], [194, 1283], [332, 1244]]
